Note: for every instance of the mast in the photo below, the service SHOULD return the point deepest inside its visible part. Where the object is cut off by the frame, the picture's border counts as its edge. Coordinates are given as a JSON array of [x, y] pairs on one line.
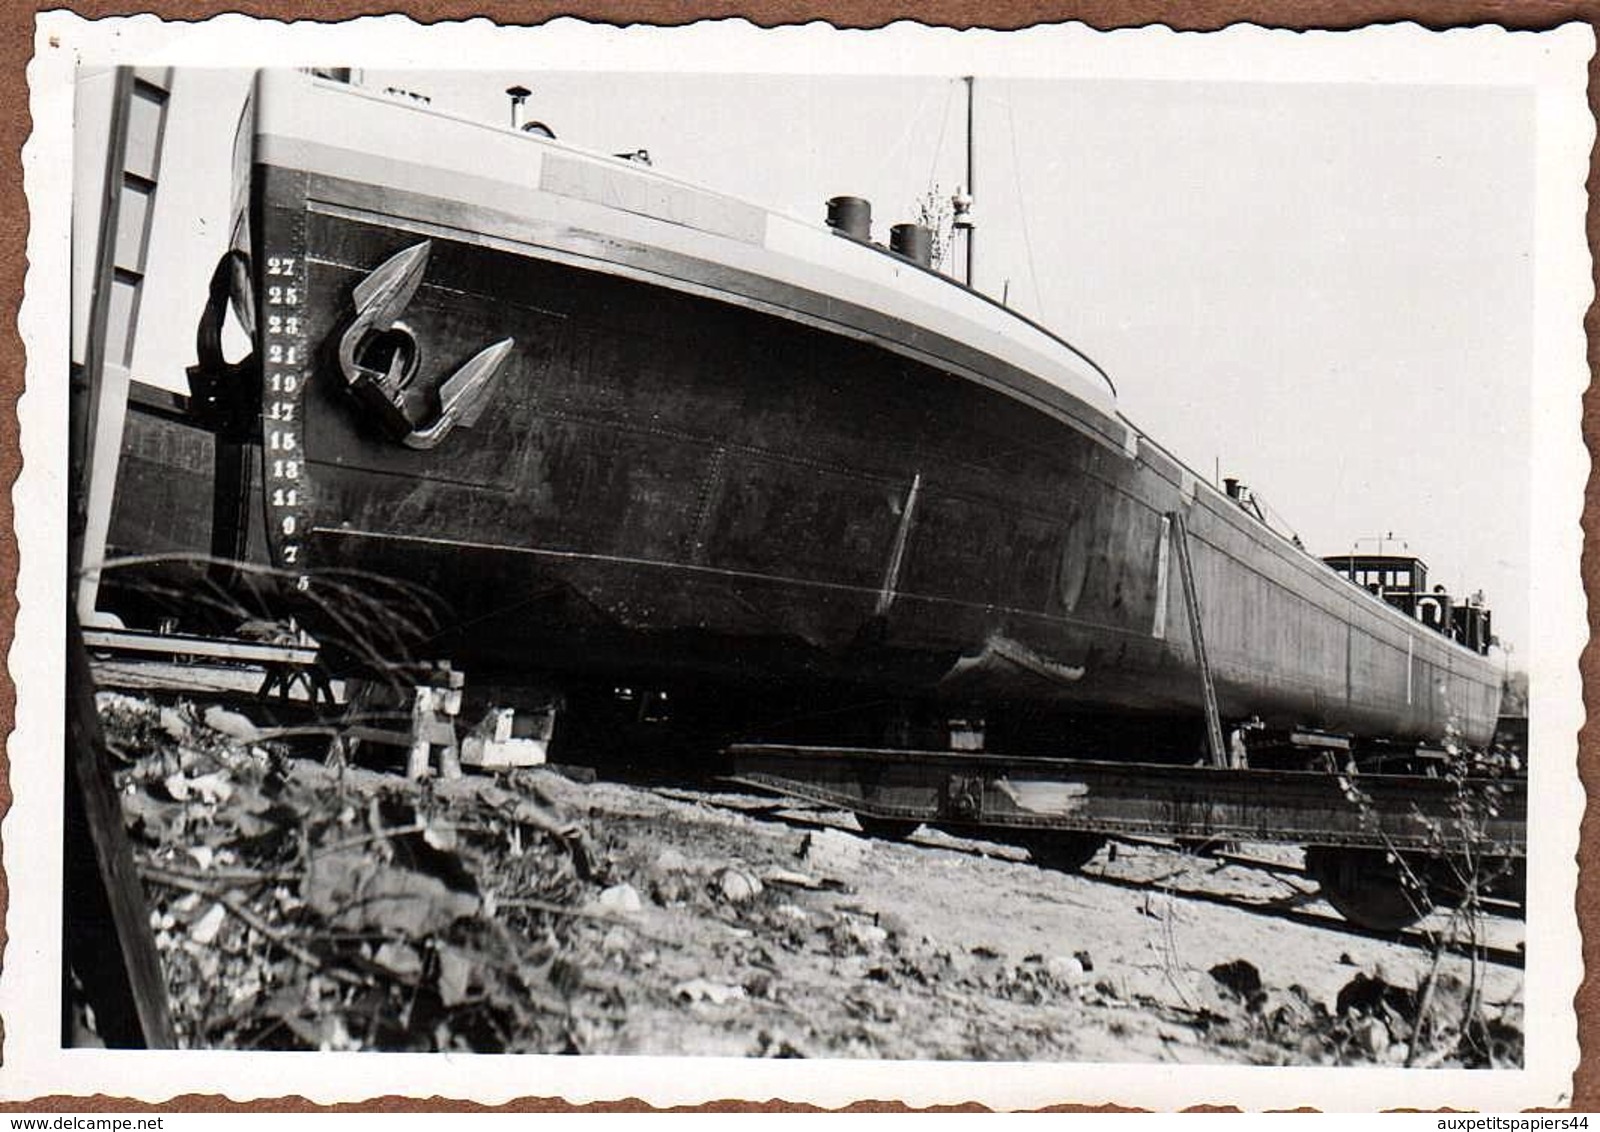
[[961, 203], [972, 235]]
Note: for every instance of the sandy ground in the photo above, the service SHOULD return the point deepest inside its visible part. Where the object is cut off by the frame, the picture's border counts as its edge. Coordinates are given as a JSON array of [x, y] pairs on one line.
[[945, 948]]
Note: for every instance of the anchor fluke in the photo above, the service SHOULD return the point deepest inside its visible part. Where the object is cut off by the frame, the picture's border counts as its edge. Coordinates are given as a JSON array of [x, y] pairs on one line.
[[388, 290], [463, 396], [380, 299]]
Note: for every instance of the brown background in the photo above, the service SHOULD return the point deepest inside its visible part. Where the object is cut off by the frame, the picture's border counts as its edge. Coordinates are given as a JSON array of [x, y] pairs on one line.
[[16, 47]]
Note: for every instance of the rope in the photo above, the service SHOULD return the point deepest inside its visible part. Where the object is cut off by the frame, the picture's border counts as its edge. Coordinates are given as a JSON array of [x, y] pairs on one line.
[[913, 120], [1280, 521], [944, 124], [1022, 210]]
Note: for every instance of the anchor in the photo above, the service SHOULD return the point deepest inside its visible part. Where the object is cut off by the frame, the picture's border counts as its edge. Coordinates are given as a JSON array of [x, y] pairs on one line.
[[380, 299]]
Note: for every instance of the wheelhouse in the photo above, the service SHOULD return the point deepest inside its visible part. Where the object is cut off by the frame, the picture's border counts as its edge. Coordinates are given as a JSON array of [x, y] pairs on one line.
[[1402, 581]]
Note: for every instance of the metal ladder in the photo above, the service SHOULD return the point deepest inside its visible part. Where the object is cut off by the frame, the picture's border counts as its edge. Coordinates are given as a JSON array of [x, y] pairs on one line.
[[136, 131], [1191, 603]]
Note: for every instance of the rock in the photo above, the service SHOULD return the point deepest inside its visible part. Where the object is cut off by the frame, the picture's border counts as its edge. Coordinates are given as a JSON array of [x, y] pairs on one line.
[[859, 934], [120, 701], [674, 888], [790, 879], [1372, 1036], [620, 899], [700, 990], [1292, 1011], [1067, 970], [669, 860], [174, 724], [851, 968], [356, 892], [440, 835], [830, 851], [212, 787], [400, 958], [176, 786], [204, 930], [232, 724], [760, 984], [1084, 958], [455, 976], [1241, 979], [737, 886], [1372, 995], [497, 798], [617, 940]]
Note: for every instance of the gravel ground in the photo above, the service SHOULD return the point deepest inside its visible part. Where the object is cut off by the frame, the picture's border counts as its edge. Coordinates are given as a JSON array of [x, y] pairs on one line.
[[947, 948], [300, 906]]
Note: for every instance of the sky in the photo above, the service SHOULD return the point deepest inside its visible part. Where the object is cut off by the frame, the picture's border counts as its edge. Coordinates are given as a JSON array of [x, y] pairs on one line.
[[1324, 289]]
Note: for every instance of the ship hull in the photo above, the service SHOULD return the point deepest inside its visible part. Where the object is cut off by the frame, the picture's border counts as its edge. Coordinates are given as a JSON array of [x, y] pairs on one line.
[[696, 466]]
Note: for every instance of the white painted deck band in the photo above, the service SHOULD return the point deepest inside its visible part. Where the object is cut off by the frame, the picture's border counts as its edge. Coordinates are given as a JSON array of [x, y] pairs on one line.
[[342, 131]]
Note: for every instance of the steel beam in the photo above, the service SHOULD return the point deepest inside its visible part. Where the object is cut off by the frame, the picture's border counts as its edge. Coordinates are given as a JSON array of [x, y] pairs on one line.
[[1147, 800], [222, 648]]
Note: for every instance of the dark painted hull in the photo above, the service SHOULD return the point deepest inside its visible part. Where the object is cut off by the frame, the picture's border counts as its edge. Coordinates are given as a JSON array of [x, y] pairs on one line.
[[162, 502], [670, 483], [159, 544]]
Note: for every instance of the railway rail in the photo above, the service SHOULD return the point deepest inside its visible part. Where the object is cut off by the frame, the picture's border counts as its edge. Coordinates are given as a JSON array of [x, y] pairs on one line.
[[1384, 848]]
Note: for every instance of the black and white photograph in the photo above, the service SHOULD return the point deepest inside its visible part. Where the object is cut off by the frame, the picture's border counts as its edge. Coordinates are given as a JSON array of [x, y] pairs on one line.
[[992, 563]]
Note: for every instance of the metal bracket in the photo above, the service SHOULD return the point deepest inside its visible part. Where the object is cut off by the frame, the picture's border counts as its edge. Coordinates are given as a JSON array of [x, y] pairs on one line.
[[963, 796]]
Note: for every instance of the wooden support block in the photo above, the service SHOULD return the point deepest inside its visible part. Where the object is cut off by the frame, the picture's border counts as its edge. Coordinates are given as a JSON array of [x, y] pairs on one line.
[[417, 760], [439, 732], [432, 726]]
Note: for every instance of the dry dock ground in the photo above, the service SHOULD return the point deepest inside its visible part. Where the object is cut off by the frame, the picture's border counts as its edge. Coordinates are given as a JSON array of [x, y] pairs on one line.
[[301, 906]]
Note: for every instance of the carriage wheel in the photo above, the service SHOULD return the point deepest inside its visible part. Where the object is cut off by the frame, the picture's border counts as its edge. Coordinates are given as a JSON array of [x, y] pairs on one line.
[[887, 829], [1367, 888], [1062, 851]]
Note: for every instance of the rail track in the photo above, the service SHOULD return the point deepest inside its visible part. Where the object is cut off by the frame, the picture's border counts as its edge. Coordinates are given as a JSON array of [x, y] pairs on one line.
[[1062, 811]]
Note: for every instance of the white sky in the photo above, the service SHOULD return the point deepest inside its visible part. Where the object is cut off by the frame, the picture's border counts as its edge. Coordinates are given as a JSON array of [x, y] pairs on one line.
[[1327, 288]]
